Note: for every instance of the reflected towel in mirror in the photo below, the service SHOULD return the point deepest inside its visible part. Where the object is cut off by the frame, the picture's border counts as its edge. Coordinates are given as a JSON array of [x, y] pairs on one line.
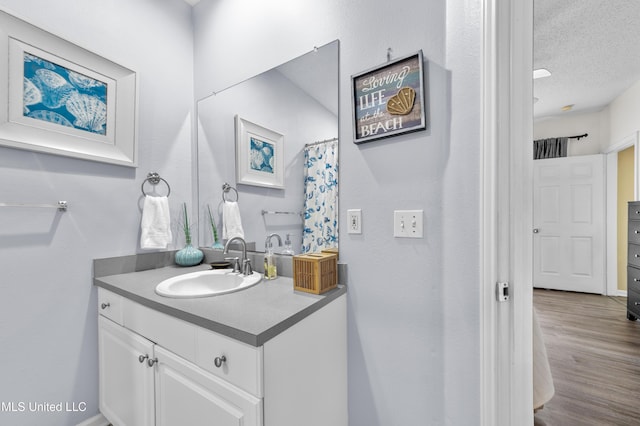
[[155, 224], [231, 222]]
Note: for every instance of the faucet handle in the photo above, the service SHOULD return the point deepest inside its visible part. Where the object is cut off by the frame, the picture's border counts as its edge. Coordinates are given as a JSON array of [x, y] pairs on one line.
[[236, 263], [246, 267]]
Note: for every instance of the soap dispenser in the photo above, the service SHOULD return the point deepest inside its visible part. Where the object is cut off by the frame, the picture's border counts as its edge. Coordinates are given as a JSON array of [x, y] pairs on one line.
[[270, 268], [288, 250]]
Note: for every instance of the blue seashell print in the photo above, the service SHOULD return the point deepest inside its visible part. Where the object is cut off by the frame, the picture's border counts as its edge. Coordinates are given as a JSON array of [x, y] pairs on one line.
[[261, 155], [51, 117], [68, 96]]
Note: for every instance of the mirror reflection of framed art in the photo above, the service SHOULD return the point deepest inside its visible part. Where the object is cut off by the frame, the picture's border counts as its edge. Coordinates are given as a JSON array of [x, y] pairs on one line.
[[259, 155]]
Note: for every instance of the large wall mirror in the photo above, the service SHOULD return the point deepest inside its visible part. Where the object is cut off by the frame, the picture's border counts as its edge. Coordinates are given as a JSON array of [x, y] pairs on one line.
[[287, 122]]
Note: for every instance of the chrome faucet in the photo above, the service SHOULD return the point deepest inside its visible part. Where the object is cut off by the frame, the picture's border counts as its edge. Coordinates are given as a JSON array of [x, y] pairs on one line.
[[268, 240], [246, 263]]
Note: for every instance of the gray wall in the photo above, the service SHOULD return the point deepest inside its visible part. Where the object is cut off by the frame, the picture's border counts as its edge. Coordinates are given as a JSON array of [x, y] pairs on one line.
[[48, 306], [414, 344]]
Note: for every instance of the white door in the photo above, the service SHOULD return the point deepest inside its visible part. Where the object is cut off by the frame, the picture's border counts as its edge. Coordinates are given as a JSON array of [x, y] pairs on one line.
[[568, 216], [188, 395], [126, 380]]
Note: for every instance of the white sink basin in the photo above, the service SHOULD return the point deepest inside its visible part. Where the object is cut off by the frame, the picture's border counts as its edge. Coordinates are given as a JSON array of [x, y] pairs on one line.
[[206, 283]]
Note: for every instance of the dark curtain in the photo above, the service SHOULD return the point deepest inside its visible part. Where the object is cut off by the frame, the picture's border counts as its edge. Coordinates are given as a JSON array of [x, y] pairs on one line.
[[550, 148]]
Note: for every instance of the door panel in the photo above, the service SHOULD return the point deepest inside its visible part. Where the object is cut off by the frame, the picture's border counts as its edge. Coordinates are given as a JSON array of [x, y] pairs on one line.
[[568, 214], [188, 395]]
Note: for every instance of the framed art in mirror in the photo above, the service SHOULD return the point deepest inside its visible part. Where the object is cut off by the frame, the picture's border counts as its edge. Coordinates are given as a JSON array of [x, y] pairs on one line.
[[389, 99], [62, 99], [259, 155]]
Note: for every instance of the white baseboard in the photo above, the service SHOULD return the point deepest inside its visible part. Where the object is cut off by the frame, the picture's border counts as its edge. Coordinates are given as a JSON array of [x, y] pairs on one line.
[[98, 420], [621, 293]]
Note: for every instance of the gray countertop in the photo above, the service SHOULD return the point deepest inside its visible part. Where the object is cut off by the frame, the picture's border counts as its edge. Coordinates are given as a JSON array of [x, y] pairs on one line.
[[252, 316]]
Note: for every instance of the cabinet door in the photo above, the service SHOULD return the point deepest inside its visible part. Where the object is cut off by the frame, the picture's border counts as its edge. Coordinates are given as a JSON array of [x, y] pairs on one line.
[[126, 384], [188, 395]]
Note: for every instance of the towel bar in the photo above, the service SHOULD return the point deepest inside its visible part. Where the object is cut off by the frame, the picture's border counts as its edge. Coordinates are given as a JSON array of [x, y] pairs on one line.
[[154, 179], [62, 205], [226, 188]]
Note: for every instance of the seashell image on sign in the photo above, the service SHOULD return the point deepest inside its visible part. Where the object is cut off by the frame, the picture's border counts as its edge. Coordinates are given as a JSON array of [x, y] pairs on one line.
[[388, 100], [61, 96]]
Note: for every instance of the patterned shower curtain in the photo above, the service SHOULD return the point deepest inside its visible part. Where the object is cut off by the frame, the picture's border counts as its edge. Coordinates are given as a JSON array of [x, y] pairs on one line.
[[320, 229]]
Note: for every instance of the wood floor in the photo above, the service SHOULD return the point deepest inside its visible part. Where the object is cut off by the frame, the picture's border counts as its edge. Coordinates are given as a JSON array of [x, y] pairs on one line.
[[594, 354]]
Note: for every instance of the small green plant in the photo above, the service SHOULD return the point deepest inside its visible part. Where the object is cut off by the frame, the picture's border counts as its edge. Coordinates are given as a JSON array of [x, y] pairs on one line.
[[213, 225], [185, 225]]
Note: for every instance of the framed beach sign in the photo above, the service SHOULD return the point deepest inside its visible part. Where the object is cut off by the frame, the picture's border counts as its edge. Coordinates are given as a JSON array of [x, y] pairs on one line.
[[389, 99], [259, 155], [62, 99]]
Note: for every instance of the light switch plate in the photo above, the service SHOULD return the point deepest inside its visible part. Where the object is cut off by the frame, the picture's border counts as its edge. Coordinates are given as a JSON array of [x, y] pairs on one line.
[[354, 221], [408, 223]]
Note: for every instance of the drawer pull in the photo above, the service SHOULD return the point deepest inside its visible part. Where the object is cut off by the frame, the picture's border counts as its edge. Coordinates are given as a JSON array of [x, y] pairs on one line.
[[636, 303], [141, 358], [220, 360], [636, 255], [150, 361], [105, 305], [636, 232]]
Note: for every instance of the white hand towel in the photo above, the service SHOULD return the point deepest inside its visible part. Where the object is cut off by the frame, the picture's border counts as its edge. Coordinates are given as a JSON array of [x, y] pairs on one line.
[[231, 222], [155, 224]]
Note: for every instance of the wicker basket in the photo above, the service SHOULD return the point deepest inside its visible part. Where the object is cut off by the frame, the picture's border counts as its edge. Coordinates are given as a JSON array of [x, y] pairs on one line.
[[315, 272]]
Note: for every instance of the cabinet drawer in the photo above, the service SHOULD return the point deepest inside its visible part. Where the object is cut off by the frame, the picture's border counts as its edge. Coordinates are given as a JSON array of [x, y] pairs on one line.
[[172, 333], [633, 234], [633, 279], [110, 305], [634, 255], [634, 211], [633, 302], [242, 365]]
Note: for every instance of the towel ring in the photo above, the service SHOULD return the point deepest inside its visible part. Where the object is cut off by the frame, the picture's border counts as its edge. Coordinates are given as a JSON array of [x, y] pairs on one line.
[[155, 179], [226, 188]]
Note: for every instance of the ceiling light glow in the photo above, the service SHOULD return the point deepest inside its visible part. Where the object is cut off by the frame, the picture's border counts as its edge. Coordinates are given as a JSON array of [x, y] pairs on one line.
[[540, 73]]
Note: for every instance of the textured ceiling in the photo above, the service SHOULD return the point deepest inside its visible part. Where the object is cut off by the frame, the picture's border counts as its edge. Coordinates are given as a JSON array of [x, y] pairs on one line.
[[591, 47]]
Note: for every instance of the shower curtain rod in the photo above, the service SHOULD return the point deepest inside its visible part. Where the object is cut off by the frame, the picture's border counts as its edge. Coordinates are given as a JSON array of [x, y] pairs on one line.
[[306, 145], [578, 136]]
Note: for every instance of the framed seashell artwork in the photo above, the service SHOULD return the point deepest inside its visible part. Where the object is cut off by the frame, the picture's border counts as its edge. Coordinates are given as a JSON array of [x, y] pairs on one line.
[[388, 100], [259, 155], [63, 99]]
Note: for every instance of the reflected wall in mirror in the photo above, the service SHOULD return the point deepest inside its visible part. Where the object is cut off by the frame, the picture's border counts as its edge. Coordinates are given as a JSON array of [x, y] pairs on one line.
[[299, 100]]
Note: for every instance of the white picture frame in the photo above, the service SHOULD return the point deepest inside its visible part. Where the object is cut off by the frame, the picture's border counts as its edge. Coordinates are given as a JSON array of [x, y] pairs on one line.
[[57, 115], [259, 155]]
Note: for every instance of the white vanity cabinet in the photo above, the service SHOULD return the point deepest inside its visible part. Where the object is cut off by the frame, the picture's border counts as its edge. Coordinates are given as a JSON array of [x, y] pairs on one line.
[[156, 369], [126, 381]]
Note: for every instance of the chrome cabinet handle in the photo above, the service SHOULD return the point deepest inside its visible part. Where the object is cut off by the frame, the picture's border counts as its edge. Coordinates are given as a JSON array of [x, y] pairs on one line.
[[536, 230], [636, 255], [636, 303], [141, 358], [635, 280], [220, 360], [150, 361], [105, 305], [636, 232]]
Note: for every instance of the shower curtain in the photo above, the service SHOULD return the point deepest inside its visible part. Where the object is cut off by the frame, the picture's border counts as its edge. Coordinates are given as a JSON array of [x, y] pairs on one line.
[[320, 230]]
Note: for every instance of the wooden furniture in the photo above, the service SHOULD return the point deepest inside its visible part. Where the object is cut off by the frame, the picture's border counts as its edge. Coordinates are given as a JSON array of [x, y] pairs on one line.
[[156, 369], [633, 262]]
